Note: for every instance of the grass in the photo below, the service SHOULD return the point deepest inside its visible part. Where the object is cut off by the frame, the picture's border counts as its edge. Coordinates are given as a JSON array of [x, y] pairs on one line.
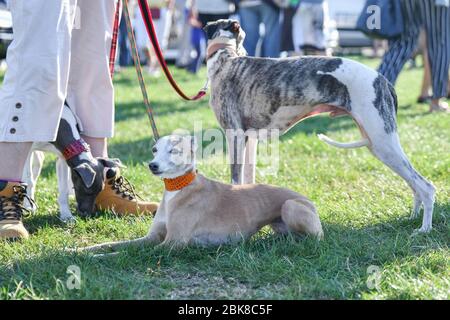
[[364, 209]]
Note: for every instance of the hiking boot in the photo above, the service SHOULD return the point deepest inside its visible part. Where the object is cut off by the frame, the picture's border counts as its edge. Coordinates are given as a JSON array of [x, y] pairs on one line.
[[12, 195], [119, 196]]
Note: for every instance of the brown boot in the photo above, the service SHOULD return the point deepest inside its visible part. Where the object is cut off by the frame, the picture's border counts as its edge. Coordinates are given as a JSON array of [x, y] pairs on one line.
[[12, 195], [120, 197]]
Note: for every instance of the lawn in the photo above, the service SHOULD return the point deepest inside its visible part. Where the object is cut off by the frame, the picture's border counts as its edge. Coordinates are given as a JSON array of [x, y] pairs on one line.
[[368, 251]]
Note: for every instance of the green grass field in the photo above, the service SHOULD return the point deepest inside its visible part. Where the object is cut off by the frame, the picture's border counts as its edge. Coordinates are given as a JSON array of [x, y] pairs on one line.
[[364, 209]]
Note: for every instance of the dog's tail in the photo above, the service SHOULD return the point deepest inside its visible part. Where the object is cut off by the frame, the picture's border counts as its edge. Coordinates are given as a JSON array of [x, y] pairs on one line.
[[350, 145]]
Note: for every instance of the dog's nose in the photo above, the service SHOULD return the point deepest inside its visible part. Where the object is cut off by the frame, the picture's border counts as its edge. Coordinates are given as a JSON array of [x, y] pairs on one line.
[[153, 167]]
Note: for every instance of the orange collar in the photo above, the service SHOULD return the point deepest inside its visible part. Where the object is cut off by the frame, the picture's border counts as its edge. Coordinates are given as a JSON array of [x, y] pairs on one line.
[[180, 182]]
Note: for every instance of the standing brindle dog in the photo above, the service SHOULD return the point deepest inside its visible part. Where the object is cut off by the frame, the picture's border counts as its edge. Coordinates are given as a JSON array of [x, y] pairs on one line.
[[249, 93]]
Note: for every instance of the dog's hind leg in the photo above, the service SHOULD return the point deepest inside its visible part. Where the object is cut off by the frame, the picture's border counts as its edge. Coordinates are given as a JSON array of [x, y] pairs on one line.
[[300, 216], [386, 147], [278, 226]]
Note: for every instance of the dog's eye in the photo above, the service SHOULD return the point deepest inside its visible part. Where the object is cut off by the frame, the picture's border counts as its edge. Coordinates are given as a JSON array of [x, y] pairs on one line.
[[175, 151], [154, 150]]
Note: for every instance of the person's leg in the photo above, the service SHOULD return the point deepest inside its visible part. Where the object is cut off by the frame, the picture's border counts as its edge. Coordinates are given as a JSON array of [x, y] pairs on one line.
[[448, 87], [124, 52], [426, 82], [91, 95], [401, 49], [32, 96], [272, 38], [12, 164], [437, 26], [250, 22], [184, 49], [99, 146], [287, 43], [297, 29], [196, 38]]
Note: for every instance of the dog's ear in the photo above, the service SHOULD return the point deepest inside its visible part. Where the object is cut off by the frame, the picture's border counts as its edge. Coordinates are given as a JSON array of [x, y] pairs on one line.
[[210, 29], [111, 163], [235, 27], [86, 173]]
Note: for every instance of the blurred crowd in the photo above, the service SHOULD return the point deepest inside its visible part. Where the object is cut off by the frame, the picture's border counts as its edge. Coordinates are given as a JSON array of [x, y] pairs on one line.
[[277, 28], [273, 28]]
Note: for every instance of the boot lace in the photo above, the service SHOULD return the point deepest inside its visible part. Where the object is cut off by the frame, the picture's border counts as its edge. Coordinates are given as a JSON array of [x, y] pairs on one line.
[[12, 208], [124, 188]]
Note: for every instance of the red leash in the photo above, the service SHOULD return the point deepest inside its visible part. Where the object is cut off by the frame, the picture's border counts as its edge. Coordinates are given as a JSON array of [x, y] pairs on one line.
[[115, 35], [148, 20]]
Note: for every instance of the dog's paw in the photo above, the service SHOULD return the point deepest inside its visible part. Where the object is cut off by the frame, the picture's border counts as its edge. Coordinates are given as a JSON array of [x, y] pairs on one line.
[[422, 230], [68, 219]]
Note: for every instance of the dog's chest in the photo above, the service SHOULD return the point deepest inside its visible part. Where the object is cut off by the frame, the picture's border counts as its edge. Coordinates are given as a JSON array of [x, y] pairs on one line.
[[168, 196]]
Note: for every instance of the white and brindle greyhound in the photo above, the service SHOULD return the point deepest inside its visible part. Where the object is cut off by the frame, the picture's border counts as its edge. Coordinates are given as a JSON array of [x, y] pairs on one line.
[[197, 210], [249, 93]]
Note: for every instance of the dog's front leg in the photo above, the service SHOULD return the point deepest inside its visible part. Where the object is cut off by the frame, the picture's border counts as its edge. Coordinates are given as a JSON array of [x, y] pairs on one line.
[[63, 174], [250, 159], [158, 231], [31, 172], [27, 177], [236, 150]]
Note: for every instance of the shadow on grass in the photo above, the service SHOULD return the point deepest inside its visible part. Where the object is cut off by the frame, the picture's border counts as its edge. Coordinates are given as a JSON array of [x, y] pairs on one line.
[[342, 257], [50, 220]]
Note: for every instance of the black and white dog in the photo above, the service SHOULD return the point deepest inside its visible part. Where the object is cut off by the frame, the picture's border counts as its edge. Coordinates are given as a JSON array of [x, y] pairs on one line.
[[82, 173], [250, 93]]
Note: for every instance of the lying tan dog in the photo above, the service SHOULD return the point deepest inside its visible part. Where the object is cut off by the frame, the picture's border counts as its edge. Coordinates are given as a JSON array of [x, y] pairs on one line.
[[197, 210]]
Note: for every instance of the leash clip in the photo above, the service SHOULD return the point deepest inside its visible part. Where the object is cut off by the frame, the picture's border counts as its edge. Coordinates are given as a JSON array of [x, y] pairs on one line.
[[206, 86]]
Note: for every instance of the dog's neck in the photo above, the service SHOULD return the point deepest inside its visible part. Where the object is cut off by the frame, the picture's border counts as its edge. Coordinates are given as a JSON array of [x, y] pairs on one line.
[[221, 43], [180, 182], [76, 153]]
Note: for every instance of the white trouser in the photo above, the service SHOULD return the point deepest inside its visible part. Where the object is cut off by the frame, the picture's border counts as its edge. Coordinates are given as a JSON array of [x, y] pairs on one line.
[[60, 51]]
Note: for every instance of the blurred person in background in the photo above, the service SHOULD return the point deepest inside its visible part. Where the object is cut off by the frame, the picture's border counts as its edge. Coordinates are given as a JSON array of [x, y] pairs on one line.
[[161, 11], [287, 41], [434, 17], [52, 60], [184, 7], [425, 92], [253, 14], [123, 44], [204, 11], [310, 27]]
